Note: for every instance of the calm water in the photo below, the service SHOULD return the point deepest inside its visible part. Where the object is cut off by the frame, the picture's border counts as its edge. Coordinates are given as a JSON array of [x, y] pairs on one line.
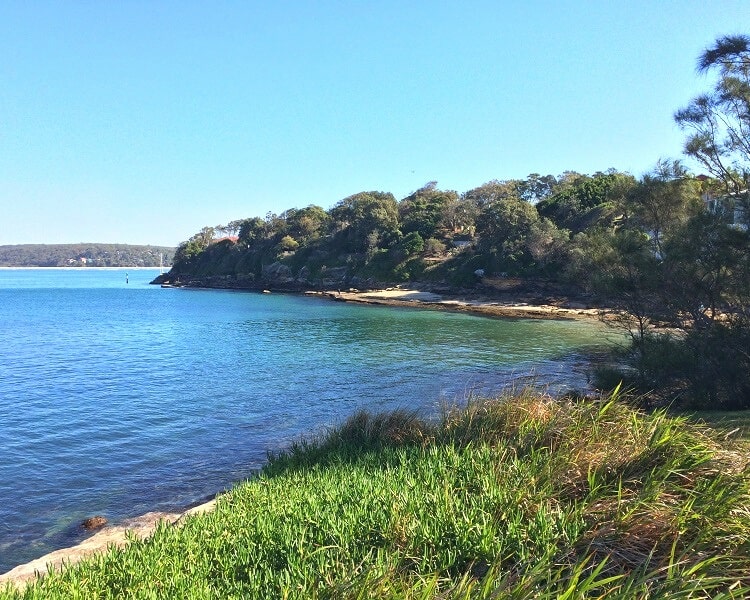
[[122, 398]]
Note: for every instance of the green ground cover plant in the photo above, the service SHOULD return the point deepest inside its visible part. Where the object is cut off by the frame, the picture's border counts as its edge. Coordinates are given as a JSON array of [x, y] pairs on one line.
[[523, 497]]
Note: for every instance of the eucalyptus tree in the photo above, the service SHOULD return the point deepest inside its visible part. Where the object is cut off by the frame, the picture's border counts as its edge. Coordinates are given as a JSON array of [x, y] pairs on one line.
[[514, 237], [188, 251], [493, 191], [582, 201], [252, 230], [537, 187], [307, 224]]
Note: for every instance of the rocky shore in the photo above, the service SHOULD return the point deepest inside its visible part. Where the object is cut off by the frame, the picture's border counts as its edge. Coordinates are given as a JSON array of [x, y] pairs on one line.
[[110, 535], [486, 307], [507, 298]]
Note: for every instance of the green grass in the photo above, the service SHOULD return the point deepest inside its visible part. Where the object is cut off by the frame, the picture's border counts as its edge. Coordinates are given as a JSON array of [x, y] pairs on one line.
[[523, 497]]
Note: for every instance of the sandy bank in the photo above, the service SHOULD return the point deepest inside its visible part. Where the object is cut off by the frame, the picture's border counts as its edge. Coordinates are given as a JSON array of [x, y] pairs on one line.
[[499, 308], [141, 527]]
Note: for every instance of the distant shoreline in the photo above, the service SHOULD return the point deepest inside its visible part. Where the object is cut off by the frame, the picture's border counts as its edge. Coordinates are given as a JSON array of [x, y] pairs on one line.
[[83, 268]]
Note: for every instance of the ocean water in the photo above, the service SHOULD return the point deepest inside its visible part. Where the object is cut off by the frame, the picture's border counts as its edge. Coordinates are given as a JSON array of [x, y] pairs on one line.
[[118, 398]]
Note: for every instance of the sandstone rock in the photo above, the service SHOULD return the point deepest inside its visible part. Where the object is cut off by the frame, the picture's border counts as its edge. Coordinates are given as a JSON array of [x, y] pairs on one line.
[[278, 273]]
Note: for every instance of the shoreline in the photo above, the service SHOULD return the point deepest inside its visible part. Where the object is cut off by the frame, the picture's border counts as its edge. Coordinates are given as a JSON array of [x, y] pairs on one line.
[[110, 535], [155, 268], [513, 308], [509, 299]]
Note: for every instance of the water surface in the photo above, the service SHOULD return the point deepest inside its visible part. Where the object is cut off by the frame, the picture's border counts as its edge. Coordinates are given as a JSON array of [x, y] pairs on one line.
[[118, 398]]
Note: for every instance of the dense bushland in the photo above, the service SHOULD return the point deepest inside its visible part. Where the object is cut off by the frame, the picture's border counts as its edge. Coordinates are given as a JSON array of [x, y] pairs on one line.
[[522, 497]]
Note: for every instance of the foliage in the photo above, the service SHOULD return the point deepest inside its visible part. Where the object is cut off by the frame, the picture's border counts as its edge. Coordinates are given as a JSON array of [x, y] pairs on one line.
[[662, 201], [307, 224], [434, 247], [423, 212], [581, 201], [719, 121], [362, 221], [524, 497], [188, 252], [411, 244], [514, 236], [288, 244]]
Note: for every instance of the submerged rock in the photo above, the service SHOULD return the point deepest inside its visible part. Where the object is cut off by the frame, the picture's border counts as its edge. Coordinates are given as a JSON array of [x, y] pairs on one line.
[[92, 523]]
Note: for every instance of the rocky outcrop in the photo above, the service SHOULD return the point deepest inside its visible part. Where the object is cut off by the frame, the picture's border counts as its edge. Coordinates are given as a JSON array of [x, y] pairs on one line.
[[276, 276], [279, 274], [333, 277]]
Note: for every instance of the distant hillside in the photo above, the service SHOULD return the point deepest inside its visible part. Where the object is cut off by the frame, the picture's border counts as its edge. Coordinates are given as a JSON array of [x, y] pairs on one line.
[[85, 255]]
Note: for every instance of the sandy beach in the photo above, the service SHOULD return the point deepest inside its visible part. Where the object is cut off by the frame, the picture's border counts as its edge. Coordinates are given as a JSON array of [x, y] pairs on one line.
[[494, 307]]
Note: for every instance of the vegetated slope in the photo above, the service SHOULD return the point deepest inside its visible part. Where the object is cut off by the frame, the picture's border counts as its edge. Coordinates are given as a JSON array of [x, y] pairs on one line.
[[85, 255], [518, 498]]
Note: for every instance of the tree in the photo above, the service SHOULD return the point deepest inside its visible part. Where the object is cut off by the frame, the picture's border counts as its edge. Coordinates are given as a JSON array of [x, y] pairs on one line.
[[308, 223], [537, 187], [581, 201], [513, 235], [719, 121], [492, 191], [288, 244], [233, 227], [424, 210], [662, 201], [188, 251], [252, 230], [707, 269], [364, 221], [411, 244]]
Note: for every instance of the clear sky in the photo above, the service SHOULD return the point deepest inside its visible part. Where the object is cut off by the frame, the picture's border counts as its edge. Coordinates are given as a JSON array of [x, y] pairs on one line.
[[141, 121]]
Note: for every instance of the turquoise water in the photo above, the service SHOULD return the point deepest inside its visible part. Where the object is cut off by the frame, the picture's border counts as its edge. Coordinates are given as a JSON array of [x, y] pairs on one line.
[[122, 398]]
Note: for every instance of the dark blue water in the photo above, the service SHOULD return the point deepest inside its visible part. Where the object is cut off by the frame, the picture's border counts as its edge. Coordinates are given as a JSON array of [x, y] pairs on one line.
[[119, 398]]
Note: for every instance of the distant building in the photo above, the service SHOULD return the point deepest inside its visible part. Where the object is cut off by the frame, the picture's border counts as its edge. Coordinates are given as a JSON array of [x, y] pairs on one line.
[[731, 206]]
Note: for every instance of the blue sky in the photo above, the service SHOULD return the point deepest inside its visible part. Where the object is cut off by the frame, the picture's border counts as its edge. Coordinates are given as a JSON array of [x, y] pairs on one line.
[[142, 121]]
